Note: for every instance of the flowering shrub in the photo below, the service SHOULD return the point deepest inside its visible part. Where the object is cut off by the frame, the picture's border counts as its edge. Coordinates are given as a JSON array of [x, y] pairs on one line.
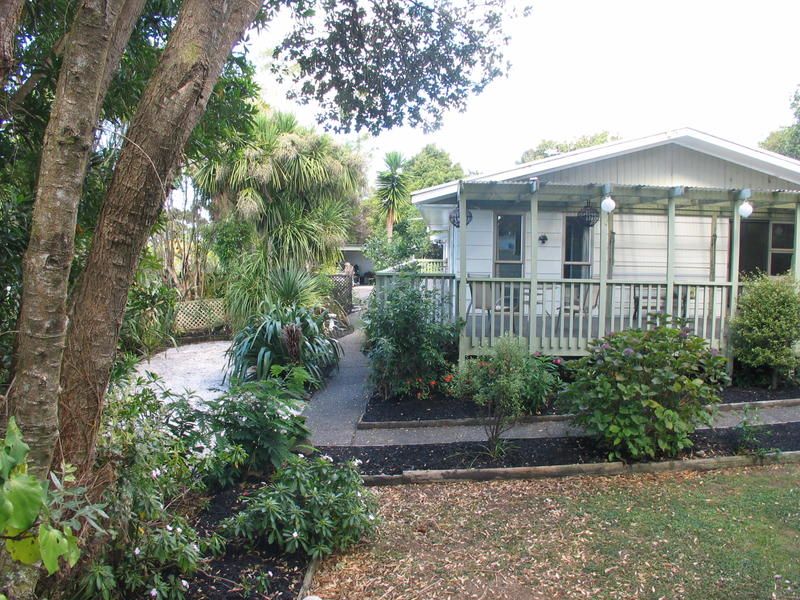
[[767, 326], [259, 419], [508, 383], [311, 505], [644, 392], [409, 341]]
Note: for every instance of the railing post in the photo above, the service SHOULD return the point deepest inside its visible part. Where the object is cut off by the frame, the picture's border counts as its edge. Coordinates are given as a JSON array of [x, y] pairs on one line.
[[795, 261], [534, 269], [734, 273], [602, 300], [670, 253], [462, 272]]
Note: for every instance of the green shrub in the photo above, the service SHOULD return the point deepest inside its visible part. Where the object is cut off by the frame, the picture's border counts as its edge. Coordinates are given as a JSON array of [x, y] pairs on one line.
[[644, 392], [508, 383], [767, 326], [410, 343], [259, 419], [285, 336], [149, 316], [311, 505]]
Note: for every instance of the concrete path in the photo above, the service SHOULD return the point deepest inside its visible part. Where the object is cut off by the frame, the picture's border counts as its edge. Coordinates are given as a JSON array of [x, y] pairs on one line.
[[197, 368], [333, 411]]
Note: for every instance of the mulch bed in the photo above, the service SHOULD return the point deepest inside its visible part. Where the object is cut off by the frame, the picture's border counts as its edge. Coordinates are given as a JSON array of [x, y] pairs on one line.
[[441, 407], [229, 576], [393, 460]]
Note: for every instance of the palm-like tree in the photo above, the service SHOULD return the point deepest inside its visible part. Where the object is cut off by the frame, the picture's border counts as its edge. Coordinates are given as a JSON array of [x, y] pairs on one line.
[[392, 190], [295, 184]]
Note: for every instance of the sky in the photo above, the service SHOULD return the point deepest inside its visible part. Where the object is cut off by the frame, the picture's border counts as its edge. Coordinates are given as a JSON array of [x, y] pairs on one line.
[[630, 67]]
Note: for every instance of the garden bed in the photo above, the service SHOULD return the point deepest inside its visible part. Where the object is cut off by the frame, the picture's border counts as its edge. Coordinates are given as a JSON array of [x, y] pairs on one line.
[[393, 460], [439, 407], [235, 574]]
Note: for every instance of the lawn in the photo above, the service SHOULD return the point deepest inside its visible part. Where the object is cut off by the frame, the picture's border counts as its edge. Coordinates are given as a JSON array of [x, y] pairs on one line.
[[725, 534]]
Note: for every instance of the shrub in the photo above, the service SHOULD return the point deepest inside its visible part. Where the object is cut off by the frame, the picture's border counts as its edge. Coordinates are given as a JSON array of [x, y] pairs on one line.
[[767, 326], [507, 383], [311, 505], [259, 419], [149, 316], [409, 343], [644, 392], [285, 336]]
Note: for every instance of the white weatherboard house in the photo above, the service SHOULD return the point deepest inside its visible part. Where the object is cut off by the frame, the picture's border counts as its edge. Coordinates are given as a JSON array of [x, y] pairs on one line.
[[607, 236]]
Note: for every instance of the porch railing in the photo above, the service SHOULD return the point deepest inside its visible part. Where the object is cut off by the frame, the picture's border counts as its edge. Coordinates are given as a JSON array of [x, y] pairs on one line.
[[418, 265], [566, 314]]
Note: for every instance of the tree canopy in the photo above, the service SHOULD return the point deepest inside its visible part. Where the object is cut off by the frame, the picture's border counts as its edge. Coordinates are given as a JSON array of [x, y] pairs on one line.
[[786, 140], [431, 166], [548, 148]]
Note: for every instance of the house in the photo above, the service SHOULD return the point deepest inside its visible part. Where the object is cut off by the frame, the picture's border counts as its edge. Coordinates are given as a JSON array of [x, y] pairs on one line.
[[609, 235]]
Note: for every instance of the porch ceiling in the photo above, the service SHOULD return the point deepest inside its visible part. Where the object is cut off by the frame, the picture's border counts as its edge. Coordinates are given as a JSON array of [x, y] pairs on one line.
[[629, 197]]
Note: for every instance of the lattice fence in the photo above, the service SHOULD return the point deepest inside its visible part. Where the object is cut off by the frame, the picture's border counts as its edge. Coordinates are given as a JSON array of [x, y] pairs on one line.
[[200, 315], [343, 291]]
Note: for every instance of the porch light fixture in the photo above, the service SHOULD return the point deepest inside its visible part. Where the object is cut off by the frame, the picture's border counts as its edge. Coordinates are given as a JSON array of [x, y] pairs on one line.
[[588, 215], [608, 204], [745, 209], [455, 218], [543, 239]]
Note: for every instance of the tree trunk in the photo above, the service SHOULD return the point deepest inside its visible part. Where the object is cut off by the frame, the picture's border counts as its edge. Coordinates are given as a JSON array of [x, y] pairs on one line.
[[97, 38], [171, 105], [10, 11], [389, 223]]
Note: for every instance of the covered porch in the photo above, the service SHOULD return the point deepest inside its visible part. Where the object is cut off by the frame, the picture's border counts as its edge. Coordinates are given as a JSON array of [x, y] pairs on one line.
[[593, 297]]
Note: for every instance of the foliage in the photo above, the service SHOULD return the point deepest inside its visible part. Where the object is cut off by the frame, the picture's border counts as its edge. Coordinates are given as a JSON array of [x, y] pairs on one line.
[[431, 166], [149, 316], [259, 420], [232, 239], [409, 240], [311, 505], [14, 214], [786, 140], [644, 392], [508, 383], [39, 523], [414, 61], [410, 343], [391, 190], [547, 148], [767, 325], [296, 186], [285, 336], [152, 442]]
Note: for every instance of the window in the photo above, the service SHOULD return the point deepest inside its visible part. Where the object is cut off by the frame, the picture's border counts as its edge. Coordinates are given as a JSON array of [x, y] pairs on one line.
[[577, 249], [766, 246], [509, 245]]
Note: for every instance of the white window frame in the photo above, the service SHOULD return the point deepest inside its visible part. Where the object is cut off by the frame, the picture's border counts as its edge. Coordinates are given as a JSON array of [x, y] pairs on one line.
[[496, 250], [573, 263]]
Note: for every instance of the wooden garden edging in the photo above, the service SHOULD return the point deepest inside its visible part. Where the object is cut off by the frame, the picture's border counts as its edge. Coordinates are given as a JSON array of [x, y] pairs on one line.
[[572, 470], [477, 421], [308, 578]]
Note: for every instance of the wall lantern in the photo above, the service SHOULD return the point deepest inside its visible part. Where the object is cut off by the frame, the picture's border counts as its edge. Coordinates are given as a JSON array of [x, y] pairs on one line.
[[543, 239], [745, 209], [588, 215], [455, 218], [608, 204]]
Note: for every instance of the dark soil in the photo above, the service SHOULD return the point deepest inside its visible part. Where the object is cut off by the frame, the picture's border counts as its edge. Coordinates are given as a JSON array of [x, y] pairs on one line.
[[393, 460], [235, 575], [441, 407], [758, 394]]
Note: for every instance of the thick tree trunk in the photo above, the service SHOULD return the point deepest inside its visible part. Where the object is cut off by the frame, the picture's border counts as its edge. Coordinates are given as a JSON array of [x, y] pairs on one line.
[[174, 100], [97, 38], [10, 11]]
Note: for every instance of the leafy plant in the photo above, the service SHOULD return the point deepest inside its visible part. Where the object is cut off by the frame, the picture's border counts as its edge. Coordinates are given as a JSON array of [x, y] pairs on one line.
[[766, 326], [149, 316], [750, 435], [262, 419], [410, 341], [311, 505], [644, 392], [39, 523], [507, 383], [285, 336]]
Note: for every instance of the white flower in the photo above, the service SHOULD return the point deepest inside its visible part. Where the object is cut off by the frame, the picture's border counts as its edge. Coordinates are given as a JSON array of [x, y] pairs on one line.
[[155, 474], [136, 551], [371, 517], [301, 455], [195, 547], [357, 462], [169, 527], [179, 531], [326, 457], [154, 593], [295, 534], [269, 573], [185, 584]]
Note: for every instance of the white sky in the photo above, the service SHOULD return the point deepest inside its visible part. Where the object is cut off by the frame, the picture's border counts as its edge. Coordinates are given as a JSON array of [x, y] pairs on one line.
[[632, 67]]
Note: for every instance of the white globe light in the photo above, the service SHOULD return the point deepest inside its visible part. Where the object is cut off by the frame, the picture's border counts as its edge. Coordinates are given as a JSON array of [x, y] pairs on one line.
[[608, 204], [745, 209]]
